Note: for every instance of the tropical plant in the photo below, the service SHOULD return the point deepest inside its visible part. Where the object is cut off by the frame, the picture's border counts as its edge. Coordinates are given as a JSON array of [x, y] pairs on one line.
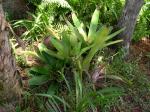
[[50, 13], [71, 52], [76, 48]]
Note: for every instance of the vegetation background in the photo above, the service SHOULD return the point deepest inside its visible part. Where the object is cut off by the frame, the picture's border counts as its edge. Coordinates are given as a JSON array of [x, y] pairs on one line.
[[68, 61]]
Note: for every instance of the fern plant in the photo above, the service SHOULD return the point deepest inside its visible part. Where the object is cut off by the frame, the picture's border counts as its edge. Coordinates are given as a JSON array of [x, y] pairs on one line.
[[36, 25], [61, 3], [142, 28], [110, 10]]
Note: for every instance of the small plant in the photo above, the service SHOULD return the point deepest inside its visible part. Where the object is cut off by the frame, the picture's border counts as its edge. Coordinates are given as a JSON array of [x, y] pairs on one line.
[[71, 54], [71, 49]]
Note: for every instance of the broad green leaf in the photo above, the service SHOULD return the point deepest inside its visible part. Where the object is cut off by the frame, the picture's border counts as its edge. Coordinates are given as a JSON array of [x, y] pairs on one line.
[[101, 35], [83, 50], [99, 43], [114, 34], [110, 90], [79, 26], [40, 55], [57, 44], [42, 47], [76, 49], [39, 80], [113, 42], [66, 44], [41, 70], [93, 25], [52, 89], [88, 58], [76, 21], [75, 35]]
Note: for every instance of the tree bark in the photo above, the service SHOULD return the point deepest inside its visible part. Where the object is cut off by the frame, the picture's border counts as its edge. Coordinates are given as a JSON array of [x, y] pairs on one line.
[[128, 20], [15, 8], [9, 86]]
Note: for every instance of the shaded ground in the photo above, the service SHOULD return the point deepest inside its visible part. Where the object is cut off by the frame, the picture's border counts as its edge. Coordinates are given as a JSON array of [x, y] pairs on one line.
[[140, 51]]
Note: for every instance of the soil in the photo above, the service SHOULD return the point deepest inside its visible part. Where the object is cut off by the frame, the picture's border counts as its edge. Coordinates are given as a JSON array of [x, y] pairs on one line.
[[140, 51]]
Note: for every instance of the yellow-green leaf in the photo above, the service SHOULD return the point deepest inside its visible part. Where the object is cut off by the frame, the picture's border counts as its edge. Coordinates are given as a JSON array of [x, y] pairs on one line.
[[79, 26], [93, 25]]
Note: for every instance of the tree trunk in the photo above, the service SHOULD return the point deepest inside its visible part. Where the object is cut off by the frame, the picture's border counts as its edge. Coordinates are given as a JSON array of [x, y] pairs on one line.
[[128, 20], [15, 8], [9, 86]]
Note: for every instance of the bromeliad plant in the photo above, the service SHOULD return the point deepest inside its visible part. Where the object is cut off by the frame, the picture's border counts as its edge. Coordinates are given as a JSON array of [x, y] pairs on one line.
[[75, 50], [78, 47], [78, 42], [95, 39]]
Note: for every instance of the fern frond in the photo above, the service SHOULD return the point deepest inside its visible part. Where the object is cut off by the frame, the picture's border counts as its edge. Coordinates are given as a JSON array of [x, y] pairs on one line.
[[61, 3]]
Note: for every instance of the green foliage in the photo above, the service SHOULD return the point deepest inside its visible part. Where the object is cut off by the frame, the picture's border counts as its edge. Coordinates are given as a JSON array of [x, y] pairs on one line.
[[142, 27], [110, 10], [70, 49], [62, 3], [36, 26], [60, 83], [73, 50], [79, 97], [74, 46], [21, 61], [50, 13], [136, 84], [43, 74], [87, 99]]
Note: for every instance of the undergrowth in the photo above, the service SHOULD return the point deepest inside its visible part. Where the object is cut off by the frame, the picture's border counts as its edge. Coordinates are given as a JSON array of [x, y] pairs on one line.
[[62, 80], [135, 83]]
